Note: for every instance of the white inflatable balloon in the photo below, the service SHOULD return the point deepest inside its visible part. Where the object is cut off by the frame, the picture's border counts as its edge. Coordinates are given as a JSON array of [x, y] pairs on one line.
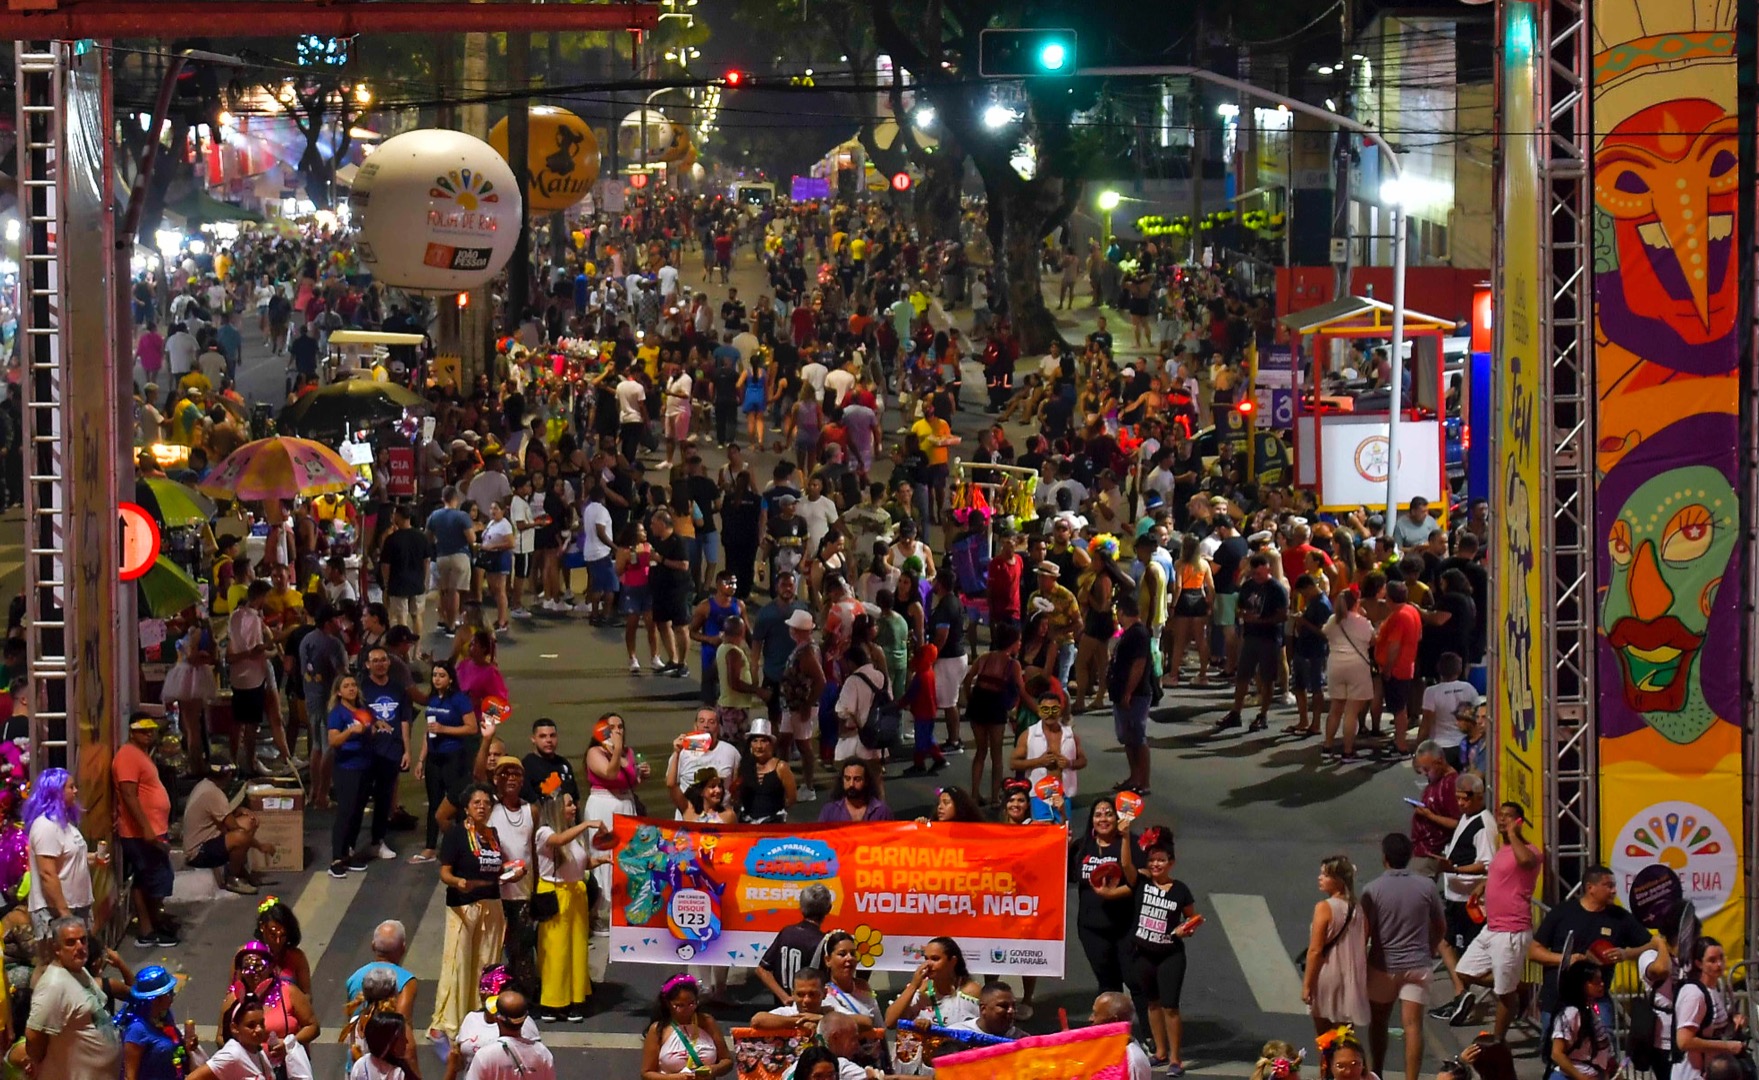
[[438, 211]]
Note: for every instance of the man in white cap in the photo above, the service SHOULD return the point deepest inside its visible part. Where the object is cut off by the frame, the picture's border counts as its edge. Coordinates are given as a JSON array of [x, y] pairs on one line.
[[802, 683]]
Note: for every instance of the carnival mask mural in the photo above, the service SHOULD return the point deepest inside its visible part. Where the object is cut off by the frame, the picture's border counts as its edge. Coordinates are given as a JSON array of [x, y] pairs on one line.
[[1663, 607], [1666, 178]]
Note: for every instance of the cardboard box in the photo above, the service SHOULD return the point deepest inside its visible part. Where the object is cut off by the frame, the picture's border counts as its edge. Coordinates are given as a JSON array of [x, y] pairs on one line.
[[281, 821]]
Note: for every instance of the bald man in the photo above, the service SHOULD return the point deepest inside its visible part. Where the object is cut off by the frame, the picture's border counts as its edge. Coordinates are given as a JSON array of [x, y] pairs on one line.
[[1115, 1008], [841, 1035]]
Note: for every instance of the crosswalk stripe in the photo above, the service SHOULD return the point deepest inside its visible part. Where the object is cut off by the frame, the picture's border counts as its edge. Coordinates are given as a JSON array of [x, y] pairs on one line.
[[1263, 959], [320, 908], [427, 941]]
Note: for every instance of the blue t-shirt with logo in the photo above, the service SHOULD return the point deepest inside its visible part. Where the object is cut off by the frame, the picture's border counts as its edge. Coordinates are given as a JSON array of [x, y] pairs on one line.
[[389, 704], [449, 711], [356, 751]]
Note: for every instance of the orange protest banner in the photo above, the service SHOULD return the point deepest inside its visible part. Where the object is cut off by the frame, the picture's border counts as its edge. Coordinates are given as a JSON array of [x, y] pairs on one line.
[[1095, 1053], [717, 894]]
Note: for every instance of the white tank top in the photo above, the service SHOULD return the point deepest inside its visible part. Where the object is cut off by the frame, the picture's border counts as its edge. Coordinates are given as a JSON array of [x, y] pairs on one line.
[[1037, 746]]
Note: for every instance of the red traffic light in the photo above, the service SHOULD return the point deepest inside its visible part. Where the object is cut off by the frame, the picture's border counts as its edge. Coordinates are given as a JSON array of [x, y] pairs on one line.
[[735, 79], [638, 181], [901, 181]]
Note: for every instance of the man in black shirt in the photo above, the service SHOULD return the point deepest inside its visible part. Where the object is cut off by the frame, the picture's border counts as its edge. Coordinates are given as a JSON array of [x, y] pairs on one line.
[[403, 570], [1466, 560], [946, 629], [1226, 562], [797, 946], [547, 773], [669, 581], [1101, 338], [1592, 915], [1307, 666], [1129, 682], [706, 497], [1263, 608]]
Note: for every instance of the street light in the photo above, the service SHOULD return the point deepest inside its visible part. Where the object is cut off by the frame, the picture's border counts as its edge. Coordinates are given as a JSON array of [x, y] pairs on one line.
[[996, 117], [1395, 166], [1108, 201], [924, 116]]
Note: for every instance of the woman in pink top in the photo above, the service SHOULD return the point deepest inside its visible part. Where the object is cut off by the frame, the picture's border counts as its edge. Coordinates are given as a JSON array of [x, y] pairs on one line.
[[150, 351], [635, 558], [478, 675]]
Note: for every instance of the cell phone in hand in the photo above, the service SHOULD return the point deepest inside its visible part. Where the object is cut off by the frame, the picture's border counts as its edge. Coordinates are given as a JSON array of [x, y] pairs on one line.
[[1414, 802]]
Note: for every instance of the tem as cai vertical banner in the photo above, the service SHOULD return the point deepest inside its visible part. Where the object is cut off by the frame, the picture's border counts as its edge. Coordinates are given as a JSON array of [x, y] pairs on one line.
[[1666, 166], [1519, 685]]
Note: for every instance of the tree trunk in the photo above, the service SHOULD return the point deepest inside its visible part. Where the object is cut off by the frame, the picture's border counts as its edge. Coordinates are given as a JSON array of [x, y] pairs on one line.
[[171, 164], [1025, 219], [937, 197]]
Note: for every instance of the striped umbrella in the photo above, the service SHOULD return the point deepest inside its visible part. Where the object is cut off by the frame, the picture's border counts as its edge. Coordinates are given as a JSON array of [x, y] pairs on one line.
[[279, 468]]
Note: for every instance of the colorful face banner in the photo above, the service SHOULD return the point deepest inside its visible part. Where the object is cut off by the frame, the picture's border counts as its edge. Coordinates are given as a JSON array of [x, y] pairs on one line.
[[1095, 1053], [1666, 167], [717, 894]]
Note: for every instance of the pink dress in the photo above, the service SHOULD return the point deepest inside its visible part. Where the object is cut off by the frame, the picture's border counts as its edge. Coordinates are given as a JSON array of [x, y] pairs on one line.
[[1340, 994]]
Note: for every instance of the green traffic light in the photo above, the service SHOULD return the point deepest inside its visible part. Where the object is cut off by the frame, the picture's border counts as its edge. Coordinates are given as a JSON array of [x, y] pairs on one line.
[[1053, 55]]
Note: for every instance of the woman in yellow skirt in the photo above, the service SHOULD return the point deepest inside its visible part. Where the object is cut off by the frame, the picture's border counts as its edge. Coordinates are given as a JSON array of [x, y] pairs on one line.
[[472, 867], [563, 862]]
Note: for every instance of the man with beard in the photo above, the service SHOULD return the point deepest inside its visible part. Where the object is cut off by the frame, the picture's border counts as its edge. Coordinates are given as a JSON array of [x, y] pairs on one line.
[[855, 797]]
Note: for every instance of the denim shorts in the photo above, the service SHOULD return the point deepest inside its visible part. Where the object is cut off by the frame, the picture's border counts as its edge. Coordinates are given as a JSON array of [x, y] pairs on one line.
[[635, 600]]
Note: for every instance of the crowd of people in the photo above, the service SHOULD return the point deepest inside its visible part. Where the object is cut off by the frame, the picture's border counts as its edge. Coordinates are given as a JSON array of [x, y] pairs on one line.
[[772, 495]]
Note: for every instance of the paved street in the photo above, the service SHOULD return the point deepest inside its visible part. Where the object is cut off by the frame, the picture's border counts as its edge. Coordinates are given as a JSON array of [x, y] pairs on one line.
[[1253, 815]]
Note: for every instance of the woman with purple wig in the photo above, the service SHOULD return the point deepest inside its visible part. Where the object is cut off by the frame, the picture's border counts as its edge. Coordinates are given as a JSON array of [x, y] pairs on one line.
[[61, 877]]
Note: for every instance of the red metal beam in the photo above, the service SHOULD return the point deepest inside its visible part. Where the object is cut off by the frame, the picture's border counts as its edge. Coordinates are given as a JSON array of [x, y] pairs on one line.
[[103, 19]]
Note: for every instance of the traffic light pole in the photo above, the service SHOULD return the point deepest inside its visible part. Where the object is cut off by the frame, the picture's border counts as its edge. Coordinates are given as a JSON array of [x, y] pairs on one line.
[[1391, 156]]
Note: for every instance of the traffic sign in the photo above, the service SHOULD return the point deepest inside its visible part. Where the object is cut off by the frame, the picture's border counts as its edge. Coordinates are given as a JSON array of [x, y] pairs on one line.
[[901, 181], [1276, 407], [638, 181], [140, 540]]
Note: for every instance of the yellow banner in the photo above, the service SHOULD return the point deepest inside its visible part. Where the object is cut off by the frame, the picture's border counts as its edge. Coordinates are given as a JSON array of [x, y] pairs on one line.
[[1518, 653]]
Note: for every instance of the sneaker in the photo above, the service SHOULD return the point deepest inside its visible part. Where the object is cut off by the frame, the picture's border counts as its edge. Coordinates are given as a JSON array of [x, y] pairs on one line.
[[1175, 1069], [241, 887], [359, 863], [1232, 720], [1259, 722], [339, 870], [1447, 1009], [634, 666], [146, 941], [165, 939], [1463, 1010], [577, 609], [953, 746], [659, 665], [915, 770], [679, 671], [519, 613], [383, 851], [1023, 1011], [1289, 697], [805, 794]]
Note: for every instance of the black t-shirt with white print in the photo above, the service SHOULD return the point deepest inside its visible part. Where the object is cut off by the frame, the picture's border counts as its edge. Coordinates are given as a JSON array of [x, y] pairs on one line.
[[1158, 913]]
